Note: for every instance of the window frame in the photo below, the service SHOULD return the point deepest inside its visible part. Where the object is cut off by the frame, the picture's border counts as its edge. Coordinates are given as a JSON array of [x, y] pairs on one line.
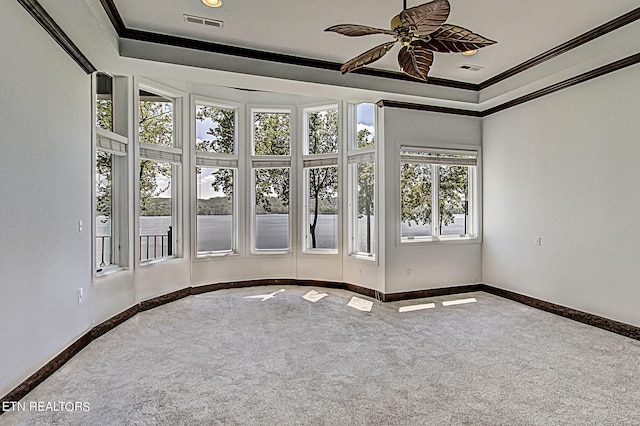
[[474, 221], [356, 156], [314, 161], [117, 145], [220, 161], [164, 154], [266, 162]]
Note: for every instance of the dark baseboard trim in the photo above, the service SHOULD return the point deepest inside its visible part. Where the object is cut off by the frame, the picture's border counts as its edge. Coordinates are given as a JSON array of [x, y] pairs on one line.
[[420, 294], [42, 374], [46, 21], [607, 324], [39, 376]]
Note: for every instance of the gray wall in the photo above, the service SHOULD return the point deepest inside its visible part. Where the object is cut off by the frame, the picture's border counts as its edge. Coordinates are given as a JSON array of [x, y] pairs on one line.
[[432, 264], [565, 168], [45, 187]]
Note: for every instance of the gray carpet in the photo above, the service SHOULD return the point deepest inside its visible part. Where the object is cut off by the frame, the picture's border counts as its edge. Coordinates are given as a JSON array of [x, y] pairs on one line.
[[220, 358]]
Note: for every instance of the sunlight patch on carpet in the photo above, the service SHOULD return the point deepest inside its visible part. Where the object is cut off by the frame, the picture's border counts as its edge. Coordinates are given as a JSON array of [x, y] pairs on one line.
[[313, 296], [417, 307], [360, 304], [459, 302]]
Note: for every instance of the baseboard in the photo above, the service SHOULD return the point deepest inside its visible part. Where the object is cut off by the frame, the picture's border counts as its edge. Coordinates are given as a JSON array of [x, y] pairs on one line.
[[613, 326], [38, 377]]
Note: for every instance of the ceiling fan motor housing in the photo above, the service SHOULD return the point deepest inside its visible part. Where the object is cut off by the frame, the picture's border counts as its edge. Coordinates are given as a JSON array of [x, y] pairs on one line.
[[395, 22]]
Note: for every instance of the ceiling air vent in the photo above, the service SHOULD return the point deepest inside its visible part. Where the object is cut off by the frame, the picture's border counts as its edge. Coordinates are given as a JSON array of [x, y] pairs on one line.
[[471, 67], [203, 21]]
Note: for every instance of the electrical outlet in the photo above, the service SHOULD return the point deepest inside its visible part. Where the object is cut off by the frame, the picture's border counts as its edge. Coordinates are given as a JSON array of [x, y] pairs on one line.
[[80, 226], [538, 241], [80, 296], [409, 272], [359, 272]]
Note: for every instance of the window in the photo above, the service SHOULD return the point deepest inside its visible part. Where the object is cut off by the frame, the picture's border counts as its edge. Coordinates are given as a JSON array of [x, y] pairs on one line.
[[216, 171], [361, 157], [437, 194], [320, 163], [160, 159], [271, 176], [110, 248]]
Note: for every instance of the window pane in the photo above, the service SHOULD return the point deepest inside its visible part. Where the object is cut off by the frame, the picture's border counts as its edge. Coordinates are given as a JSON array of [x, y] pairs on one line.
[[322, 126], [214, 221], [365, 192], [322, 208], [271, 133], [104, 210], [156, 119], [272, 209], [415, 191], [453, 199], [155, 210], [215, 130], [104, 102], [366, 131]]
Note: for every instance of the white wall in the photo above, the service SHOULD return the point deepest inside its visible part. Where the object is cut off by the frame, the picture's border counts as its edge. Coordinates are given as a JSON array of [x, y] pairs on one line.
[[45, 187], [432, 264], [565, 168]]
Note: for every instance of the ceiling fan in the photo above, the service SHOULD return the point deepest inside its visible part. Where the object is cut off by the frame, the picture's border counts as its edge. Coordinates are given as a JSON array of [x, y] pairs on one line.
[[421, 30]]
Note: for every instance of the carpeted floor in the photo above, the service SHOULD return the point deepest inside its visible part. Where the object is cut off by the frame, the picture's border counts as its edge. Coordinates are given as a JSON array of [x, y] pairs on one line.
[[221, 358]]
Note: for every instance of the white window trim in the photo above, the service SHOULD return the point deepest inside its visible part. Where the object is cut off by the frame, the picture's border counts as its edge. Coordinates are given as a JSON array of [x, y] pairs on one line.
[[313, 161], [171, 154], [117, 145], [220, 161], [368, 154], [474, 192], [271, 162]]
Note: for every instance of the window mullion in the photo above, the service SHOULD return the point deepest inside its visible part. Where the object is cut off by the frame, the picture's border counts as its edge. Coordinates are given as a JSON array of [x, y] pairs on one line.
[[435, 200]]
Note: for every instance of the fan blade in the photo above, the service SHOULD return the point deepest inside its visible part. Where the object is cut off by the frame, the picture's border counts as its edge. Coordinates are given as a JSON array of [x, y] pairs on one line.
[[416, 59], [353, 30], [426, 18], [367, 57], [451, 39]]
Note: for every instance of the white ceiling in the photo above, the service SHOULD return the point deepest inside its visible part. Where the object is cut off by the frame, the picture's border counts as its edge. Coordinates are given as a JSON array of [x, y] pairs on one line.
[[523, 29]]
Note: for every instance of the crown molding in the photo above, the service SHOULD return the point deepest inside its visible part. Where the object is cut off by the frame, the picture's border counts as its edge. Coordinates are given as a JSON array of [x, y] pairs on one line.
[[590, 75], [428, 108], [591, 35], [46, 21]]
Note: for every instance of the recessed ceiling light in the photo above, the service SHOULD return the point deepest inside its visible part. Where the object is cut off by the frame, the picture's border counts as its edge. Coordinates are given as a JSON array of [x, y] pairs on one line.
[[467, 53], [212, 3]]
